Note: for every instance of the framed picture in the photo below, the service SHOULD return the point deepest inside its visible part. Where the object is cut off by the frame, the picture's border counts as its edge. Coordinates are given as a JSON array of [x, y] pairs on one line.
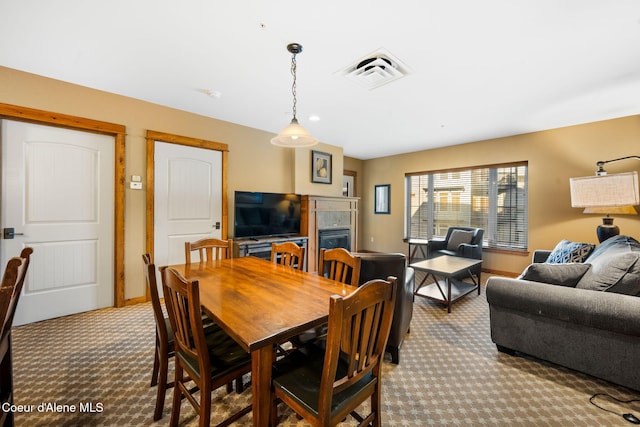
[[382, 199], [321, 170]]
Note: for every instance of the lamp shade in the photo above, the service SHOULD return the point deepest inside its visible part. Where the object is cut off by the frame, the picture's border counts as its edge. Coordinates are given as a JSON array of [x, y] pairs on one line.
[[294, 135], [613, 190]]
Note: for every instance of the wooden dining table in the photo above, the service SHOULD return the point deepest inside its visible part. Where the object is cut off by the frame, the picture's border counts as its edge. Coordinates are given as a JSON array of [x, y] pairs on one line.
[[259, 304]]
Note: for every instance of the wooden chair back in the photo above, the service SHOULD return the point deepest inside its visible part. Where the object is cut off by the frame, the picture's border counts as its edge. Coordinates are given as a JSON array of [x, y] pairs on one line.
[[182, 298], [340, 265], [164, 339], [324, 387], [358, 330], [11, 287], [162, 334], [289, 254], [209, 249]]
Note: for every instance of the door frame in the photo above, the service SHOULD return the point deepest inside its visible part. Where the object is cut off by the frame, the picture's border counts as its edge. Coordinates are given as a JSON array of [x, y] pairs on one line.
[[41, 117], [152, 137]]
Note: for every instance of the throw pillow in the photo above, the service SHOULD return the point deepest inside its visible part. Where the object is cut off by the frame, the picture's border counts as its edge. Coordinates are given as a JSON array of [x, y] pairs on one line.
[[568, 251], [612, 247], [620, 275], [556, 274], [459, 237]]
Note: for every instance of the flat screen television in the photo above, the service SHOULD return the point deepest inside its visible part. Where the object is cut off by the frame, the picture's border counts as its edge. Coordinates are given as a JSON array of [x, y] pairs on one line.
[[266, 214]]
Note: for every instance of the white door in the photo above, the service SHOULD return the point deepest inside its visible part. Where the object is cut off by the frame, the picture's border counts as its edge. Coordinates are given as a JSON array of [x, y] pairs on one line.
[[58, 193], [188, 199]]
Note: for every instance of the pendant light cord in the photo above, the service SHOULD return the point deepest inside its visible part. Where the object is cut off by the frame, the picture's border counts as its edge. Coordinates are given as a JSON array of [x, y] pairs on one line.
[[293, 86]]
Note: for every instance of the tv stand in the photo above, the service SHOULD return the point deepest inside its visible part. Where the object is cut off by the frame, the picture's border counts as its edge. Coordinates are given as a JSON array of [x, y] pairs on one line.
[[261, 246]]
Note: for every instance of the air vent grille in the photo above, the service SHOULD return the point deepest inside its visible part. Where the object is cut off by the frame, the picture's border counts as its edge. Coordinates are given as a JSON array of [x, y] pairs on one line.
[[375, 70]]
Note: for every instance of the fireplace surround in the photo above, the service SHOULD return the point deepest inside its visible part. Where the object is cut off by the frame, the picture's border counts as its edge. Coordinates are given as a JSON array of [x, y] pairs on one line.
[[333, 218]]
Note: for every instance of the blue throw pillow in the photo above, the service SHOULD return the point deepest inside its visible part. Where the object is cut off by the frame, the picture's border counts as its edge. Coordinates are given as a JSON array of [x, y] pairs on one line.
[[568, 251]]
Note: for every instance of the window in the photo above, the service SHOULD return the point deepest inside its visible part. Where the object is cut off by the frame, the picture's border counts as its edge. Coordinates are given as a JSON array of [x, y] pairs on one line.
[[493, 198]]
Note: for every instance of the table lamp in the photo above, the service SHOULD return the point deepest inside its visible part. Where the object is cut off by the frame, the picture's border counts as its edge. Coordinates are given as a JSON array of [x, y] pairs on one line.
[[606, 194]]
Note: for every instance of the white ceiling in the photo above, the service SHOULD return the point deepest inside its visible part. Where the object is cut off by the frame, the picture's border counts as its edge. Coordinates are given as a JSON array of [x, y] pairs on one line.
[[477, 69]]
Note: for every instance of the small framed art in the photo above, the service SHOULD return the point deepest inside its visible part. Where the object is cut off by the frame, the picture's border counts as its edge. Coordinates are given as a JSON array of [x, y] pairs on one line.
[[321, 167], [381, 199]]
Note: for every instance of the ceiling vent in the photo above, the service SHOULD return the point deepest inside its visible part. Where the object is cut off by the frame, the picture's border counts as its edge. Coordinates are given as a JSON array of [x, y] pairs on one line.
[[375, 70]]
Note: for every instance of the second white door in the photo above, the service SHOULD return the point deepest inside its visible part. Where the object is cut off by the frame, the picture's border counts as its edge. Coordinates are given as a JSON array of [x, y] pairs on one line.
[[188, 199]]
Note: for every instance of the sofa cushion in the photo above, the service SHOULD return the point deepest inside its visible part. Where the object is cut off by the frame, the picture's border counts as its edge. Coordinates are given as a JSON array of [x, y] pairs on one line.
[[556, 274], [459, 237], [621, 274], [568, 251]]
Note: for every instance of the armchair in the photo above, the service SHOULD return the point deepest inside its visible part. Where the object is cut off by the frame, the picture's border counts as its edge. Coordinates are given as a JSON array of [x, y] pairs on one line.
[[380, 266], [464, 242]]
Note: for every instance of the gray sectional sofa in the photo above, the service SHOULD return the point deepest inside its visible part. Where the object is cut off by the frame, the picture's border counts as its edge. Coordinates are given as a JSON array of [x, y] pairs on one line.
[[581, 315]]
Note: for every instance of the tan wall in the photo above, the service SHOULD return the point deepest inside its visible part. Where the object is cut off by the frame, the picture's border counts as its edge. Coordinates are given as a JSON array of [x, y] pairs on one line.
[[254, 164], [554, 156]]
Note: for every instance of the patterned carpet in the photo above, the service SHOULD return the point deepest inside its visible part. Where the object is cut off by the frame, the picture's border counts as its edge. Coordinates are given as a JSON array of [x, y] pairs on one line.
[[450, 374]]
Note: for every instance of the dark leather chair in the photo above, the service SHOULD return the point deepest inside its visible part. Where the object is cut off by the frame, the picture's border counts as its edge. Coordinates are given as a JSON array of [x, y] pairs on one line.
[[450, 245], [380, 266]]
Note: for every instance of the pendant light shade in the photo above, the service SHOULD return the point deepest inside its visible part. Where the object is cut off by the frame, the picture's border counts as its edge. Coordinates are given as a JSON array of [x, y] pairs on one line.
[[294, 135]]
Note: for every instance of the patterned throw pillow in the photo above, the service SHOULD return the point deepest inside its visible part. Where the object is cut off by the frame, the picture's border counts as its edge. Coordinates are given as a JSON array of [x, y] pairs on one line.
[[567, 251]]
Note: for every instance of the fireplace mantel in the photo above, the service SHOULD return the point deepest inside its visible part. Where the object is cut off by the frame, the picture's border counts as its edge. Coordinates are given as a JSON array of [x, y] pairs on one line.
[[322, 213]]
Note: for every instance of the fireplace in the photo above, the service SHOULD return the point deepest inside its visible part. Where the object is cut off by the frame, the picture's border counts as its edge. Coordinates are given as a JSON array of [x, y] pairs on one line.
[[330, 238], [328, 222]]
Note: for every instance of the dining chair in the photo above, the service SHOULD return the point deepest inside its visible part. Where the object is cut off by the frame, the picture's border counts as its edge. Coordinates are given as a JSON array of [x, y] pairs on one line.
[[337, 264], [210, 362], [325, 385], [10, 290], [165, 344], [212, 248], [289, 254], [340, 265], [164, 339]]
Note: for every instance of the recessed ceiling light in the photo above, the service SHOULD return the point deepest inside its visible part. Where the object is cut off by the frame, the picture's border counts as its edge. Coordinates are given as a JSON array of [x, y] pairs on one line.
[[211, 93], [314, 118]]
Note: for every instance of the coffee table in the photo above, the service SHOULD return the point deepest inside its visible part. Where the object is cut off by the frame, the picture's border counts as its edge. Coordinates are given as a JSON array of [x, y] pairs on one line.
[[445, 287]]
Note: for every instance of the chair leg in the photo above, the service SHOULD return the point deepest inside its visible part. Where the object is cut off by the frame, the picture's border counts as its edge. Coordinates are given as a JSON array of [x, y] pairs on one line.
[[274, 412], [376, 404], [395, 354], [156, 365], [239, 385], [205, 407], [162, 387], [177, 397]]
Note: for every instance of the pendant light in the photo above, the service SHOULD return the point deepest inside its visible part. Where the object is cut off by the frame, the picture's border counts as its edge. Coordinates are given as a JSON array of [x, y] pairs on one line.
[[294, 135]]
